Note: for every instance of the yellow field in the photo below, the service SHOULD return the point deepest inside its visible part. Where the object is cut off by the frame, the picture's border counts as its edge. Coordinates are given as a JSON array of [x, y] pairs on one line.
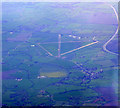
[[53, 74]]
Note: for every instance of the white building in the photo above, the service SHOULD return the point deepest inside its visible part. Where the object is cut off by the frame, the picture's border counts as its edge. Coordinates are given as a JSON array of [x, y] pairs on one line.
[[32, 45], [74, 36], [11, 32], [41, 77]]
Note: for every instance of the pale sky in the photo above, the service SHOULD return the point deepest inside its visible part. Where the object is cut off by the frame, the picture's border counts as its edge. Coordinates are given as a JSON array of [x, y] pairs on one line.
[[60, 0]]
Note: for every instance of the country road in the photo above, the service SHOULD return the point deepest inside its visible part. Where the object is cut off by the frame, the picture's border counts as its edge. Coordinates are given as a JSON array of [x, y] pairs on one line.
[[104, 46]]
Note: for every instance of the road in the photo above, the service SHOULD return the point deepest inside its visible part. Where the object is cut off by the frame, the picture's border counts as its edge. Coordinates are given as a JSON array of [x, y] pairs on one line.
[[45, 50], [104, 46], [79, 48]]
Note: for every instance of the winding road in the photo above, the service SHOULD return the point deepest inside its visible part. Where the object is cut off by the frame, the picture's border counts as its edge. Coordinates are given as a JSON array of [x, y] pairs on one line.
[[104, 46]]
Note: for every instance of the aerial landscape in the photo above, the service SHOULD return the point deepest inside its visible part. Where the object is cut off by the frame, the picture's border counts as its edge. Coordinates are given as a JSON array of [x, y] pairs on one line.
[[59, 54]]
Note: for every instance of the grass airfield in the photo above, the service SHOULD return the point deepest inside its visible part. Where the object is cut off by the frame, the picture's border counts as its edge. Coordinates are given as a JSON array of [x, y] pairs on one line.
[[80, 78]]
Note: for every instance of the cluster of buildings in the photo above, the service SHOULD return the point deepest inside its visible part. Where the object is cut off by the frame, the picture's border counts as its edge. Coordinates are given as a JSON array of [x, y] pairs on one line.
[[78, 37], [18, 79]]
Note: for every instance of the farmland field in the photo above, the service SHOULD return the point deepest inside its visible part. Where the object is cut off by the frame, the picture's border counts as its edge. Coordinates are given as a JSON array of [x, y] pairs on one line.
[[53, 54]]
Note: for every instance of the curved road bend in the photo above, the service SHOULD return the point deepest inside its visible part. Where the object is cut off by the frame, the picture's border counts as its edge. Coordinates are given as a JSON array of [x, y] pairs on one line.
[[104, 46]]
